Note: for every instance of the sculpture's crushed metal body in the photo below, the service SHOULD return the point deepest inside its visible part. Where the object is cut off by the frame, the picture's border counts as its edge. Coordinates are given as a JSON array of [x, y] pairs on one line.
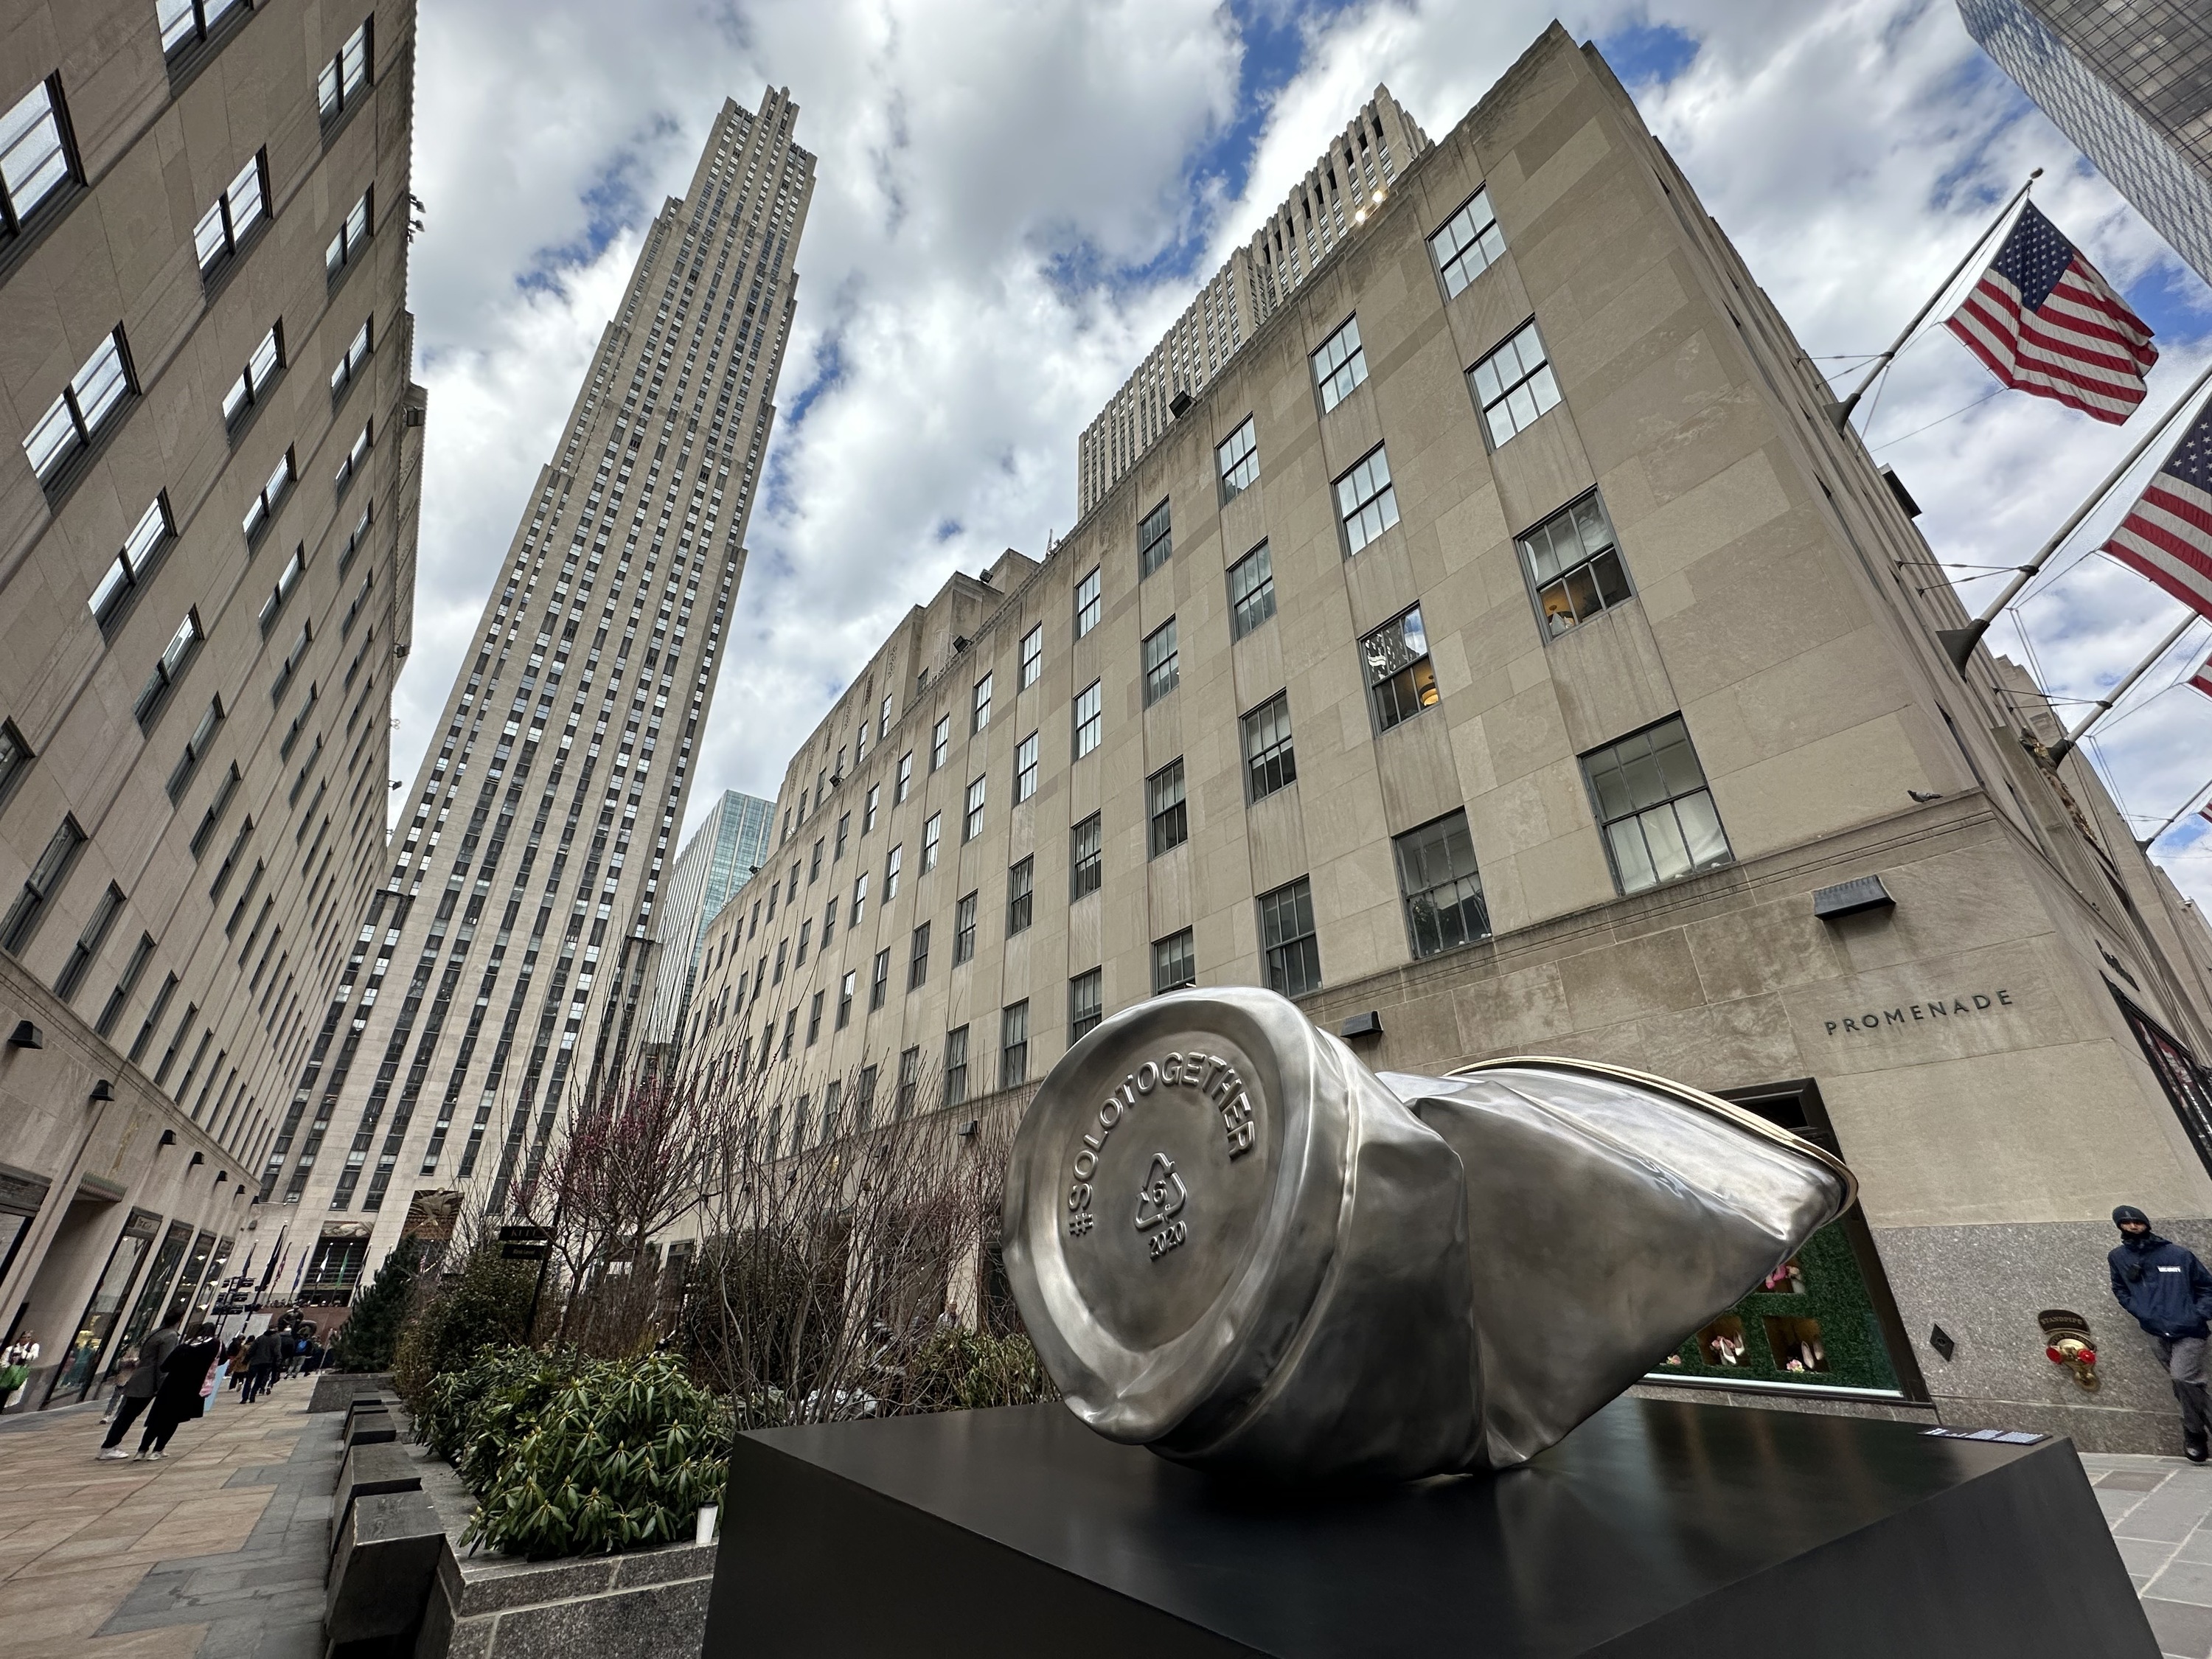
[[1233, 1243]]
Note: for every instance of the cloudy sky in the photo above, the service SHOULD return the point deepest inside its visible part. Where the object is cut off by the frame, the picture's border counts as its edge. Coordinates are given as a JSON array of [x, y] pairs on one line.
[[1014, 198]]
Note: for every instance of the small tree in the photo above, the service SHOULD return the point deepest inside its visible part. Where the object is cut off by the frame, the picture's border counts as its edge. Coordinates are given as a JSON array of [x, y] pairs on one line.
[[371, 1334], [486, 1302]]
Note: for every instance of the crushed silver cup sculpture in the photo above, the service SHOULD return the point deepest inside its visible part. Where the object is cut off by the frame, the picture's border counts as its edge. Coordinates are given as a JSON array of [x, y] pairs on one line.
[[1234, 1244]]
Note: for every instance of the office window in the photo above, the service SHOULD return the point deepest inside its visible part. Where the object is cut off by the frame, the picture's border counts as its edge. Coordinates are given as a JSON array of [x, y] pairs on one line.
[[195, 748], [293, 658], [917, 961], [782, 950], [1155, 541], [940, 742], [353, 234], [831, 1100], [883, 718], [1014, 1044], [1270, 762], [343, 78], [814, 1019], [349, 365], [1366, 502], [956, 1067], [1287, 945], [95, 393], [1340, 365], [1164, 807], [1654, 809], [979, 706], [1086, 604], [263, 507], [891, 871], [34, 157], [1086, 860], [119, 998], [879, 979], [790, 1025], [863, 1100], [186, 23], [860, 900], [237, 212], [1032, 656], [844, 834], [868, 808], [1089, 718], [1161, 665], [1021, 884], [1237, 458], [1443, 888], [1085, 1008], [1251, 592], [805, 934], [357, 537], [184, 644], [1026, 768], [149, 539], [89, 942], [1468, 245], [40, 886], [1574, 565], [910, 1079], [1513, 385], [15, 759], [931, 832], [971, 823], [963, 931], [814, 863], [351, 465], [287, 580], [1174, 963], [1400, 682], [904, 783]]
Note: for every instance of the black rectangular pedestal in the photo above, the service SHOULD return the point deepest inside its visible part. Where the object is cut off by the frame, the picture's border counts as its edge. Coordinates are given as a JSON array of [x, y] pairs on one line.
[[1656, 1529]]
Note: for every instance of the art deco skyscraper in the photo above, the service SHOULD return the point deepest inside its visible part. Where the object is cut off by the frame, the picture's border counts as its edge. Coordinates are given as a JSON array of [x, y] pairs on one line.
[[208, 500], [502, 963], [2129, 81]]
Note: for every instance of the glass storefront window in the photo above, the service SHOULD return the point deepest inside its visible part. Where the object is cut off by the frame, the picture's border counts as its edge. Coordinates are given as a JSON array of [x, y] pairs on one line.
[[189, 1280], [77, 1371], [157, 1285]]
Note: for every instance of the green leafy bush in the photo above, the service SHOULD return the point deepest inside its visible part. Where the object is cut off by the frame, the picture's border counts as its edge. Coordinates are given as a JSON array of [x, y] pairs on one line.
[[371, 1334], [485, 1305], [960, 1369], [616, 1455]]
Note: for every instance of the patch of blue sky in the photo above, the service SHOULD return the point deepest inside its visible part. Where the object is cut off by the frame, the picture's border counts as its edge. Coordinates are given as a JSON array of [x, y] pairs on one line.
[[1649, 54], [612, 204]]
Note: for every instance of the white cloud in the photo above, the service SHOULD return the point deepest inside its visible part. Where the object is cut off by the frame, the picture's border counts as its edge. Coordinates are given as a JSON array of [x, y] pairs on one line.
[[985, 171]]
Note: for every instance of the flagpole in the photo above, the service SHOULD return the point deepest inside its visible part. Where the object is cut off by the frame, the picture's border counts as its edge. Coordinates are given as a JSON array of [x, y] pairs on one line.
[[1959, 643], [1840, 413], [2148, 841], [2065, 746]]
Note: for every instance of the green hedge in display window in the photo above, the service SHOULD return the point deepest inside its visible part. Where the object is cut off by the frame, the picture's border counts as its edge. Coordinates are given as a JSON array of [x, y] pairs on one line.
[[1812, 1323]]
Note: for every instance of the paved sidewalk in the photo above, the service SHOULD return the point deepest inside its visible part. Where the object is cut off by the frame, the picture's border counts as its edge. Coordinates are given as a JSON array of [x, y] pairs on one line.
[[215, 1552], [2160, 1512]]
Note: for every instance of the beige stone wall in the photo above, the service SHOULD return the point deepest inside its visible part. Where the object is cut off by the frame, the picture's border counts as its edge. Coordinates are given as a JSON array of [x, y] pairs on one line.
[[155, 145]]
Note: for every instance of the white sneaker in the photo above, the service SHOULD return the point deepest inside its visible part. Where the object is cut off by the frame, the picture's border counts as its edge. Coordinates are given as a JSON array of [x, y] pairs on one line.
[[151, 1457], [113, 1454]]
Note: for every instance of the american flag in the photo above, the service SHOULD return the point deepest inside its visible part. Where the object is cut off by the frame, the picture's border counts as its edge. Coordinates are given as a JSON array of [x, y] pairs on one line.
[[2167, 534], [2045, 322], [2202, 681]]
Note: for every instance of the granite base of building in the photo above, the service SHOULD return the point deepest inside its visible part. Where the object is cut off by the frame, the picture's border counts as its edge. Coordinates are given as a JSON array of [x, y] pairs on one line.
[[1653, 1529]]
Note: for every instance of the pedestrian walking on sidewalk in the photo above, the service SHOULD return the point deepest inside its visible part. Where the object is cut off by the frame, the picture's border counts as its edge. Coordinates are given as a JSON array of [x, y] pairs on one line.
[[2169, 1293], [139, 1388], [186, 1375], [262, 1360]]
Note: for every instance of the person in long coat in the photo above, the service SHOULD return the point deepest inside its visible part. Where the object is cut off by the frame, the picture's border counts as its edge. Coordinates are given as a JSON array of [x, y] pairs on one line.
[[181, 1396]]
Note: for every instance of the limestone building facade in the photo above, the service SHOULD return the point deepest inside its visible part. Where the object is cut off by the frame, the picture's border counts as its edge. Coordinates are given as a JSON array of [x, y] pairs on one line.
[[207, 558], [1504, 653], [515, 911]]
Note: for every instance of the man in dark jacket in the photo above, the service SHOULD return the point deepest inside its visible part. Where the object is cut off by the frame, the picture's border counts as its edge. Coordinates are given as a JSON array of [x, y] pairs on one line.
[[138, 1389], [2169, 1293], [262, 1360]]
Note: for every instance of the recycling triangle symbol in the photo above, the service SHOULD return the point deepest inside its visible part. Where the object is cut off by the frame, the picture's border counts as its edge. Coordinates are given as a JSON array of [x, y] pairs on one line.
[[1161, 1198]]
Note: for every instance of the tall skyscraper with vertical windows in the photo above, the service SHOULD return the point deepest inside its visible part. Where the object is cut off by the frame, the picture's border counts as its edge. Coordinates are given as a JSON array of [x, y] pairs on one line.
[[2130, 82], [208, 510], [500, 968]]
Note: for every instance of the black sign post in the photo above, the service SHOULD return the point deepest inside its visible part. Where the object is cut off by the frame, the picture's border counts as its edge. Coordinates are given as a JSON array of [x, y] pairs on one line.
[[525, 1243]]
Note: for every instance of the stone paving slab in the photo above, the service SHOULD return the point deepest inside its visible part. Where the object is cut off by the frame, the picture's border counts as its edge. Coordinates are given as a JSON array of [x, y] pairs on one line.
[[215, 1552]]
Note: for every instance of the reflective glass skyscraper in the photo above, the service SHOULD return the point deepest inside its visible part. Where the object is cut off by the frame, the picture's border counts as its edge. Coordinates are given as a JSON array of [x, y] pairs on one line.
[[500, 968], [2130, 82], [729, 845]]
